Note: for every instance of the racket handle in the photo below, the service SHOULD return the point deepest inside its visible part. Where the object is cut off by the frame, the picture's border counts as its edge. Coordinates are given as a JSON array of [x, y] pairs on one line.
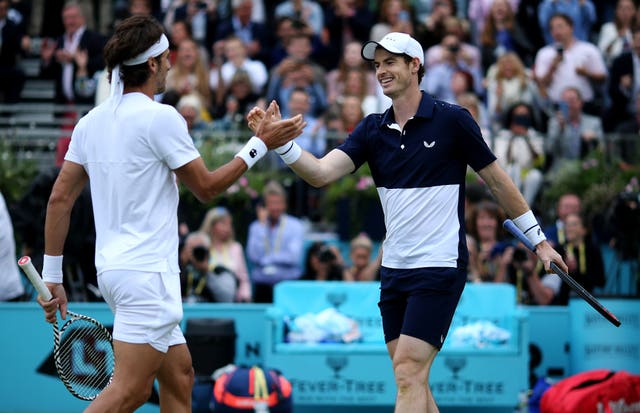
[[516, 232], [37, 282]]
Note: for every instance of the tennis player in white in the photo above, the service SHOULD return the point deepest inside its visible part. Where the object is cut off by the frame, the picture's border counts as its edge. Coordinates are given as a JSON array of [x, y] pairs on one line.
[[131, 149]]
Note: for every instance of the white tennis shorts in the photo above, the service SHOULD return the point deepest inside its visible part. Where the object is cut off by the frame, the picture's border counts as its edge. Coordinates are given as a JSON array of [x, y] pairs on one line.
[[147, 307]]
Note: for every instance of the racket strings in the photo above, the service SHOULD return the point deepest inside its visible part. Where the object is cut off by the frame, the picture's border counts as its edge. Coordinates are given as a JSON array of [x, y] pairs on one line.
[[84, 357]]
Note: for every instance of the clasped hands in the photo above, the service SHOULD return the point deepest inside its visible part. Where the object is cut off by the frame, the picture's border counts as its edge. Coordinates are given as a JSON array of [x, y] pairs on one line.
[[269, 126]]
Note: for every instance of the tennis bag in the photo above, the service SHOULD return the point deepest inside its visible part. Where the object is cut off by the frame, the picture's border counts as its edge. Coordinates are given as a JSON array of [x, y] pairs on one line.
[[251, 389], [595, 391]]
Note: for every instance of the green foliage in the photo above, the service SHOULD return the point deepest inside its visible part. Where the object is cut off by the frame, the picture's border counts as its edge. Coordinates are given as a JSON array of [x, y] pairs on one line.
[[357, 192], [15, 174], [241, 197], [594, 179]]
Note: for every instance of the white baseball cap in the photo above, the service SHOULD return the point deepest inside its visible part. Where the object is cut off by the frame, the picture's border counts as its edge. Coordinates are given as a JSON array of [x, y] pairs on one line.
[[394, 42]]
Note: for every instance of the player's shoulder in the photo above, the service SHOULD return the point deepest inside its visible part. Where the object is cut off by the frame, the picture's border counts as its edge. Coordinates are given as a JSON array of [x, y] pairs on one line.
[[449, 110]]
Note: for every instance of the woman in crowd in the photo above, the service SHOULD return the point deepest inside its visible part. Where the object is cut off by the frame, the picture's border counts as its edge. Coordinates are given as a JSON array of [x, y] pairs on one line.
[[486, 246], [508, 82], [362, 267], [225, 252], [189, 74]]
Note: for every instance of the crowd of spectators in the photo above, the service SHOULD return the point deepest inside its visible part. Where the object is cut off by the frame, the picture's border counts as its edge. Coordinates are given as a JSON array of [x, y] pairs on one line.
[[545, 79]]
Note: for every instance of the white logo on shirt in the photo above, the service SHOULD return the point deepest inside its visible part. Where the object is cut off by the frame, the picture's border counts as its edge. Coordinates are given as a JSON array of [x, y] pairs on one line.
[[429, 145]]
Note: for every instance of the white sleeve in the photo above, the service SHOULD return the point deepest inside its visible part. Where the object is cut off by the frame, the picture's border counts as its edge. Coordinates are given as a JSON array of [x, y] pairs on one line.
[[169, 138]]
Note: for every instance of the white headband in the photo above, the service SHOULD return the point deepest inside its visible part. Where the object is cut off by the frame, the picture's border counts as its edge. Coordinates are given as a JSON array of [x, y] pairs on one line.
[[154, 51], [117, 87]]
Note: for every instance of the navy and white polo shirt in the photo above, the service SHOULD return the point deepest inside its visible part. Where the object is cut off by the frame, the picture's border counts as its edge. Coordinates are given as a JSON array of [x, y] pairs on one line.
[[419, 172]]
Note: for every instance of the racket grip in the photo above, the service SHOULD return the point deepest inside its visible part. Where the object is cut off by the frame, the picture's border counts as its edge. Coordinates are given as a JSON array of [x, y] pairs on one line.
[[37, 282], [516, 232]]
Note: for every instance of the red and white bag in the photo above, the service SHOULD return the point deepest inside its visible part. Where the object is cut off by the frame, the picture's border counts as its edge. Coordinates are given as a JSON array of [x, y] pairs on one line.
[[595, 391]]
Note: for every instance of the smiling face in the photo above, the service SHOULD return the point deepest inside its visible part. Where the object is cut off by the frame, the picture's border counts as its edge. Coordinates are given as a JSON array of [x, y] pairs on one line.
[[394, 74]]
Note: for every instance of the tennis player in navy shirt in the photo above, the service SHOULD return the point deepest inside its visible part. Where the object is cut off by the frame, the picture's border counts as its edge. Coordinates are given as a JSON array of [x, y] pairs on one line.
[[418, 151]]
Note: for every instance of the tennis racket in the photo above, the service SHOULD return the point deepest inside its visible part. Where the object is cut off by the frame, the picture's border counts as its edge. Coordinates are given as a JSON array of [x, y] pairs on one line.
[[579, 289], [82, 347]]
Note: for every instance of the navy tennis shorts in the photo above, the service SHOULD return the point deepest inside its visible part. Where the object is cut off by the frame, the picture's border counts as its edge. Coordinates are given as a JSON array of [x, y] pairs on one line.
[[419, 302]]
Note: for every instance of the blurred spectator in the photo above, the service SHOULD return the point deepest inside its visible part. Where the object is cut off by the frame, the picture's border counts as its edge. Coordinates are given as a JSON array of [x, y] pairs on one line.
[[58, 56], [308, 11], [582, 14], [501, 35], [527, 20], [508, 82], [423, 8], [345, 21], [298, 71], [351, 59], [394, 16], [259, 11], [190, 75], [485, 229], [237, 59], [625, 148], [274, 244], [434, 28], [355, 84], [243, 25], [80, 280], [351, 112], [12, 76], [313, 138], [569, 62], [20, 12], [471, 102], [525, 272], [567, 204], [572, 134], [467, 55], [237, 102], [461, 82], [519, 148], [198, 283], [323, 263], [583, 257], [11, 288], [615, 36], [437, 79], [225, 251], [481, 12], [190, 107], [181, 30], [363, 267], [624, 84], [201, 15], [332, 120], [124, 9]]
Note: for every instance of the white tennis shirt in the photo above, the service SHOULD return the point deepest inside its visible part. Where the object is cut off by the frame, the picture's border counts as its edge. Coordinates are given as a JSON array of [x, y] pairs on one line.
[[130, 156]]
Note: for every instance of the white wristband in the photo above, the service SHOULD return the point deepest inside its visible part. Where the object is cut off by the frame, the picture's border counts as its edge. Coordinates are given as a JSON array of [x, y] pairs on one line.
[[528, 224], [289, 152], [52, 269], [252, 151]]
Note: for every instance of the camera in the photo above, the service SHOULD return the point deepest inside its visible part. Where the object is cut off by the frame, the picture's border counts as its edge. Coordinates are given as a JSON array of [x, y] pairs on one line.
[[326, 255], [519, 255], [200, 253]]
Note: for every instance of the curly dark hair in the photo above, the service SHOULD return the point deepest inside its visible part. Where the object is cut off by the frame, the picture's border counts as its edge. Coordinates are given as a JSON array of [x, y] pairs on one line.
[[132, 36]]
